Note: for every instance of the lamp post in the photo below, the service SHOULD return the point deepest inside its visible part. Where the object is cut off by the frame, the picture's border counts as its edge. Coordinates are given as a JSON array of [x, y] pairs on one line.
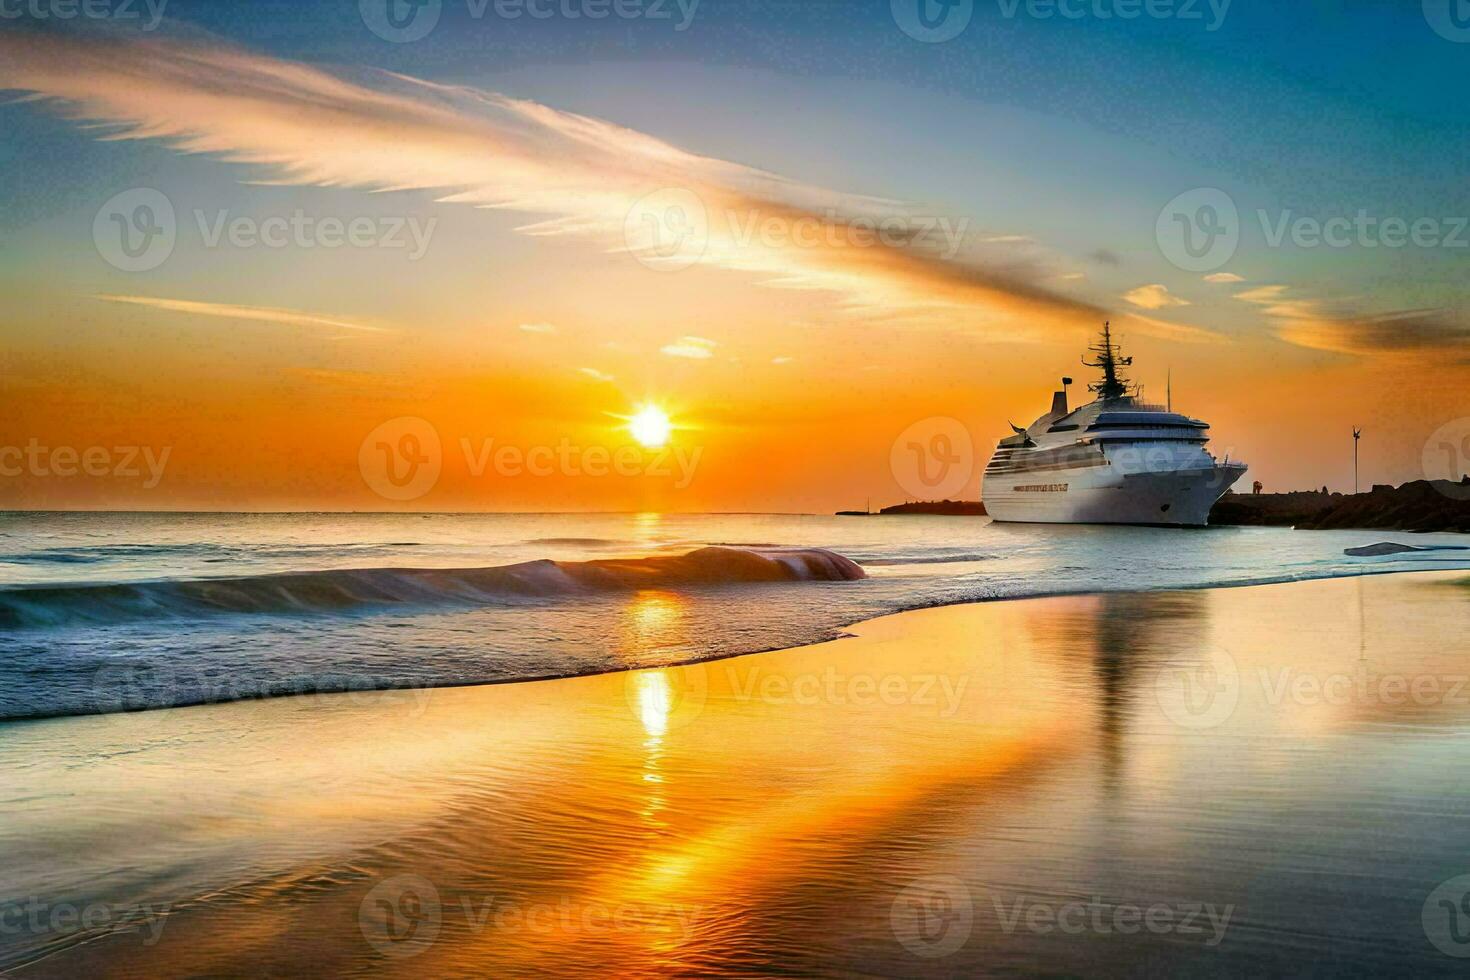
[[1357, 434]]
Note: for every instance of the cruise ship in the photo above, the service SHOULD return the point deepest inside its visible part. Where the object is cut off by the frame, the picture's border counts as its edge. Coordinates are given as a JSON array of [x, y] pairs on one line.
[[1115, 460]]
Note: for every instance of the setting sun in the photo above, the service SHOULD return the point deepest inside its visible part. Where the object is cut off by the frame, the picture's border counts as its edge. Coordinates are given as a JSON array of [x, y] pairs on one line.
[[650, 426]]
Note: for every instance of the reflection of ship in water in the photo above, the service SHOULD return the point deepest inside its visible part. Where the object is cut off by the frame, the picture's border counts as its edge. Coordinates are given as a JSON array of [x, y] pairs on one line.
[[1134, 636]]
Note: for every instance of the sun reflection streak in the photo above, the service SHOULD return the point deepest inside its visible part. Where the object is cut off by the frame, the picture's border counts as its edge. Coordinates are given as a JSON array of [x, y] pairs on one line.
[[655, 701]]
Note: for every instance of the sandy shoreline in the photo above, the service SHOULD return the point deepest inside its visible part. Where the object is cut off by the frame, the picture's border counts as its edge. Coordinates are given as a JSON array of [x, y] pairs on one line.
[[855, 804]]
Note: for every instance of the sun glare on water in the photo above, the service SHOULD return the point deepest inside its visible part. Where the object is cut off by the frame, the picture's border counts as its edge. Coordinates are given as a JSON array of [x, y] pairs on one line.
[[650, 426]]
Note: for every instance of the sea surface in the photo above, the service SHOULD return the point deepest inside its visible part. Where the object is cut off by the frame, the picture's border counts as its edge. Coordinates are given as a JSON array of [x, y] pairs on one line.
[[107, 612], [1261, 782]]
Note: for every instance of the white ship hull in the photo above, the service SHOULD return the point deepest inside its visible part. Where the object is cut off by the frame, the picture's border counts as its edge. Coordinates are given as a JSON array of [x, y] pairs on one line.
[[1103, 495], [1115, 460]]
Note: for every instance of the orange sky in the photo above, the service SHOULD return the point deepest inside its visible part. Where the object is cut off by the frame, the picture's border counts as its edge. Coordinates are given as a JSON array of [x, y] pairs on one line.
[[573, 269]]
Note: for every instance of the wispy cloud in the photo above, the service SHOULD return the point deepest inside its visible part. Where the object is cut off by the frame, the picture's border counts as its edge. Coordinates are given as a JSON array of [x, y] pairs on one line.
[[595, 374], [538, 328], [1311, 323], [695, 348], [260, 314], [1154, 296], [1224, 277], [583, 177], [1261, 294]]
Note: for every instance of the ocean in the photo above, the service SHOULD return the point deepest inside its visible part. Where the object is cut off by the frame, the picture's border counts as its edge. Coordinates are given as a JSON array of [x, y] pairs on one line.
[[109, 612]]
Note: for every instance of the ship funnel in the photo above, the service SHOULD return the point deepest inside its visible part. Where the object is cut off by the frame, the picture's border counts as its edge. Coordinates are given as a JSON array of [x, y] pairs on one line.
[[1059, 402]]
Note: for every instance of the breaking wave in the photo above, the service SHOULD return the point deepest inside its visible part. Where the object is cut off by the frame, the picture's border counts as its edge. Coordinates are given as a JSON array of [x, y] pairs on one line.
[[346, 590]]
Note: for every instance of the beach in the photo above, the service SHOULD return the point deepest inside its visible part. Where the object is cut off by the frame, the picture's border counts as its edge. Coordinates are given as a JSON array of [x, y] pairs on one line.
[[1217, 780]]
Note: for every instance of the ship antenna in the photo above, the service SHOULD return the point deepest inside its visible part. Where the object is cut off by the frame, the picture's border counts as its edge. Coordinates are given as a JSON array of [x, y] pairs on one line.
[[1169, 389], [1112, 386]]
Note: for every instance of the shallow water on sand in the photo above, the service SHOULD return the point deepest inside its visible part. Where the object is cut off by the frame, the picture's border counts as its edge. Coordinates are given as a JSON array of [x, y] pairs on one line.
[[108, 612], [1263, 780]]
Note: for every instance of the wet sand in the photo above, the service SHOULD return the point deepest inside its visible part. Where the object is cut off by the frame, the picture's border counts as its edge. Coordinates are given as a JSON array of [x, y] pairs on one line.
[[1265, 780]]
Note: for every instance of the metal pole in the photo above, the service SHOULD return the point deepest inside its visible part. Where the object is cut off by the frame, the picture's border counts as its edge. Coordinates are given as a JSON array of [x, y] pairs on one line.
[[1357, 434]]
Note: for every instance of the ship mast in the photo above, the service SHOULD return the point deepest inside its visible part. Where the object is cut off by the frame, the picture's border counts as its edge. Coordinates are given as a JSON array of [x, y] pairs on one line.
[[1112, 386]]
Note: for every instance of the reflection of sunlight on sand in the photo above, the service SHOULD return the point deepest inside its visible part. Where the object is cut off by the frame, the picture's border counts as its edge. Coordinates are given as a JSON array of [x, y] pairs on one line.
[[655, 700], [867, 770]]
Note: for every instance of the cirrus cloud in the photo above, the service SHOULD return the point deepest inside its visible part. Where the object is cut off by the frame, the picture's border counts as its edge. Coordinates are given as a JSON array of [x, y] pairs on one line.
[[581, 177]]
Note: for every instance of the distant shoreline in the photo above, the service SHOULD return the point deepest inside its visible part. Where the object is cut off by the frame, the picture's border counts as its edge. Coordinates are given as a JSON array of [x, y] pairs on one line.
[[946, 508], [1418, 506]]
